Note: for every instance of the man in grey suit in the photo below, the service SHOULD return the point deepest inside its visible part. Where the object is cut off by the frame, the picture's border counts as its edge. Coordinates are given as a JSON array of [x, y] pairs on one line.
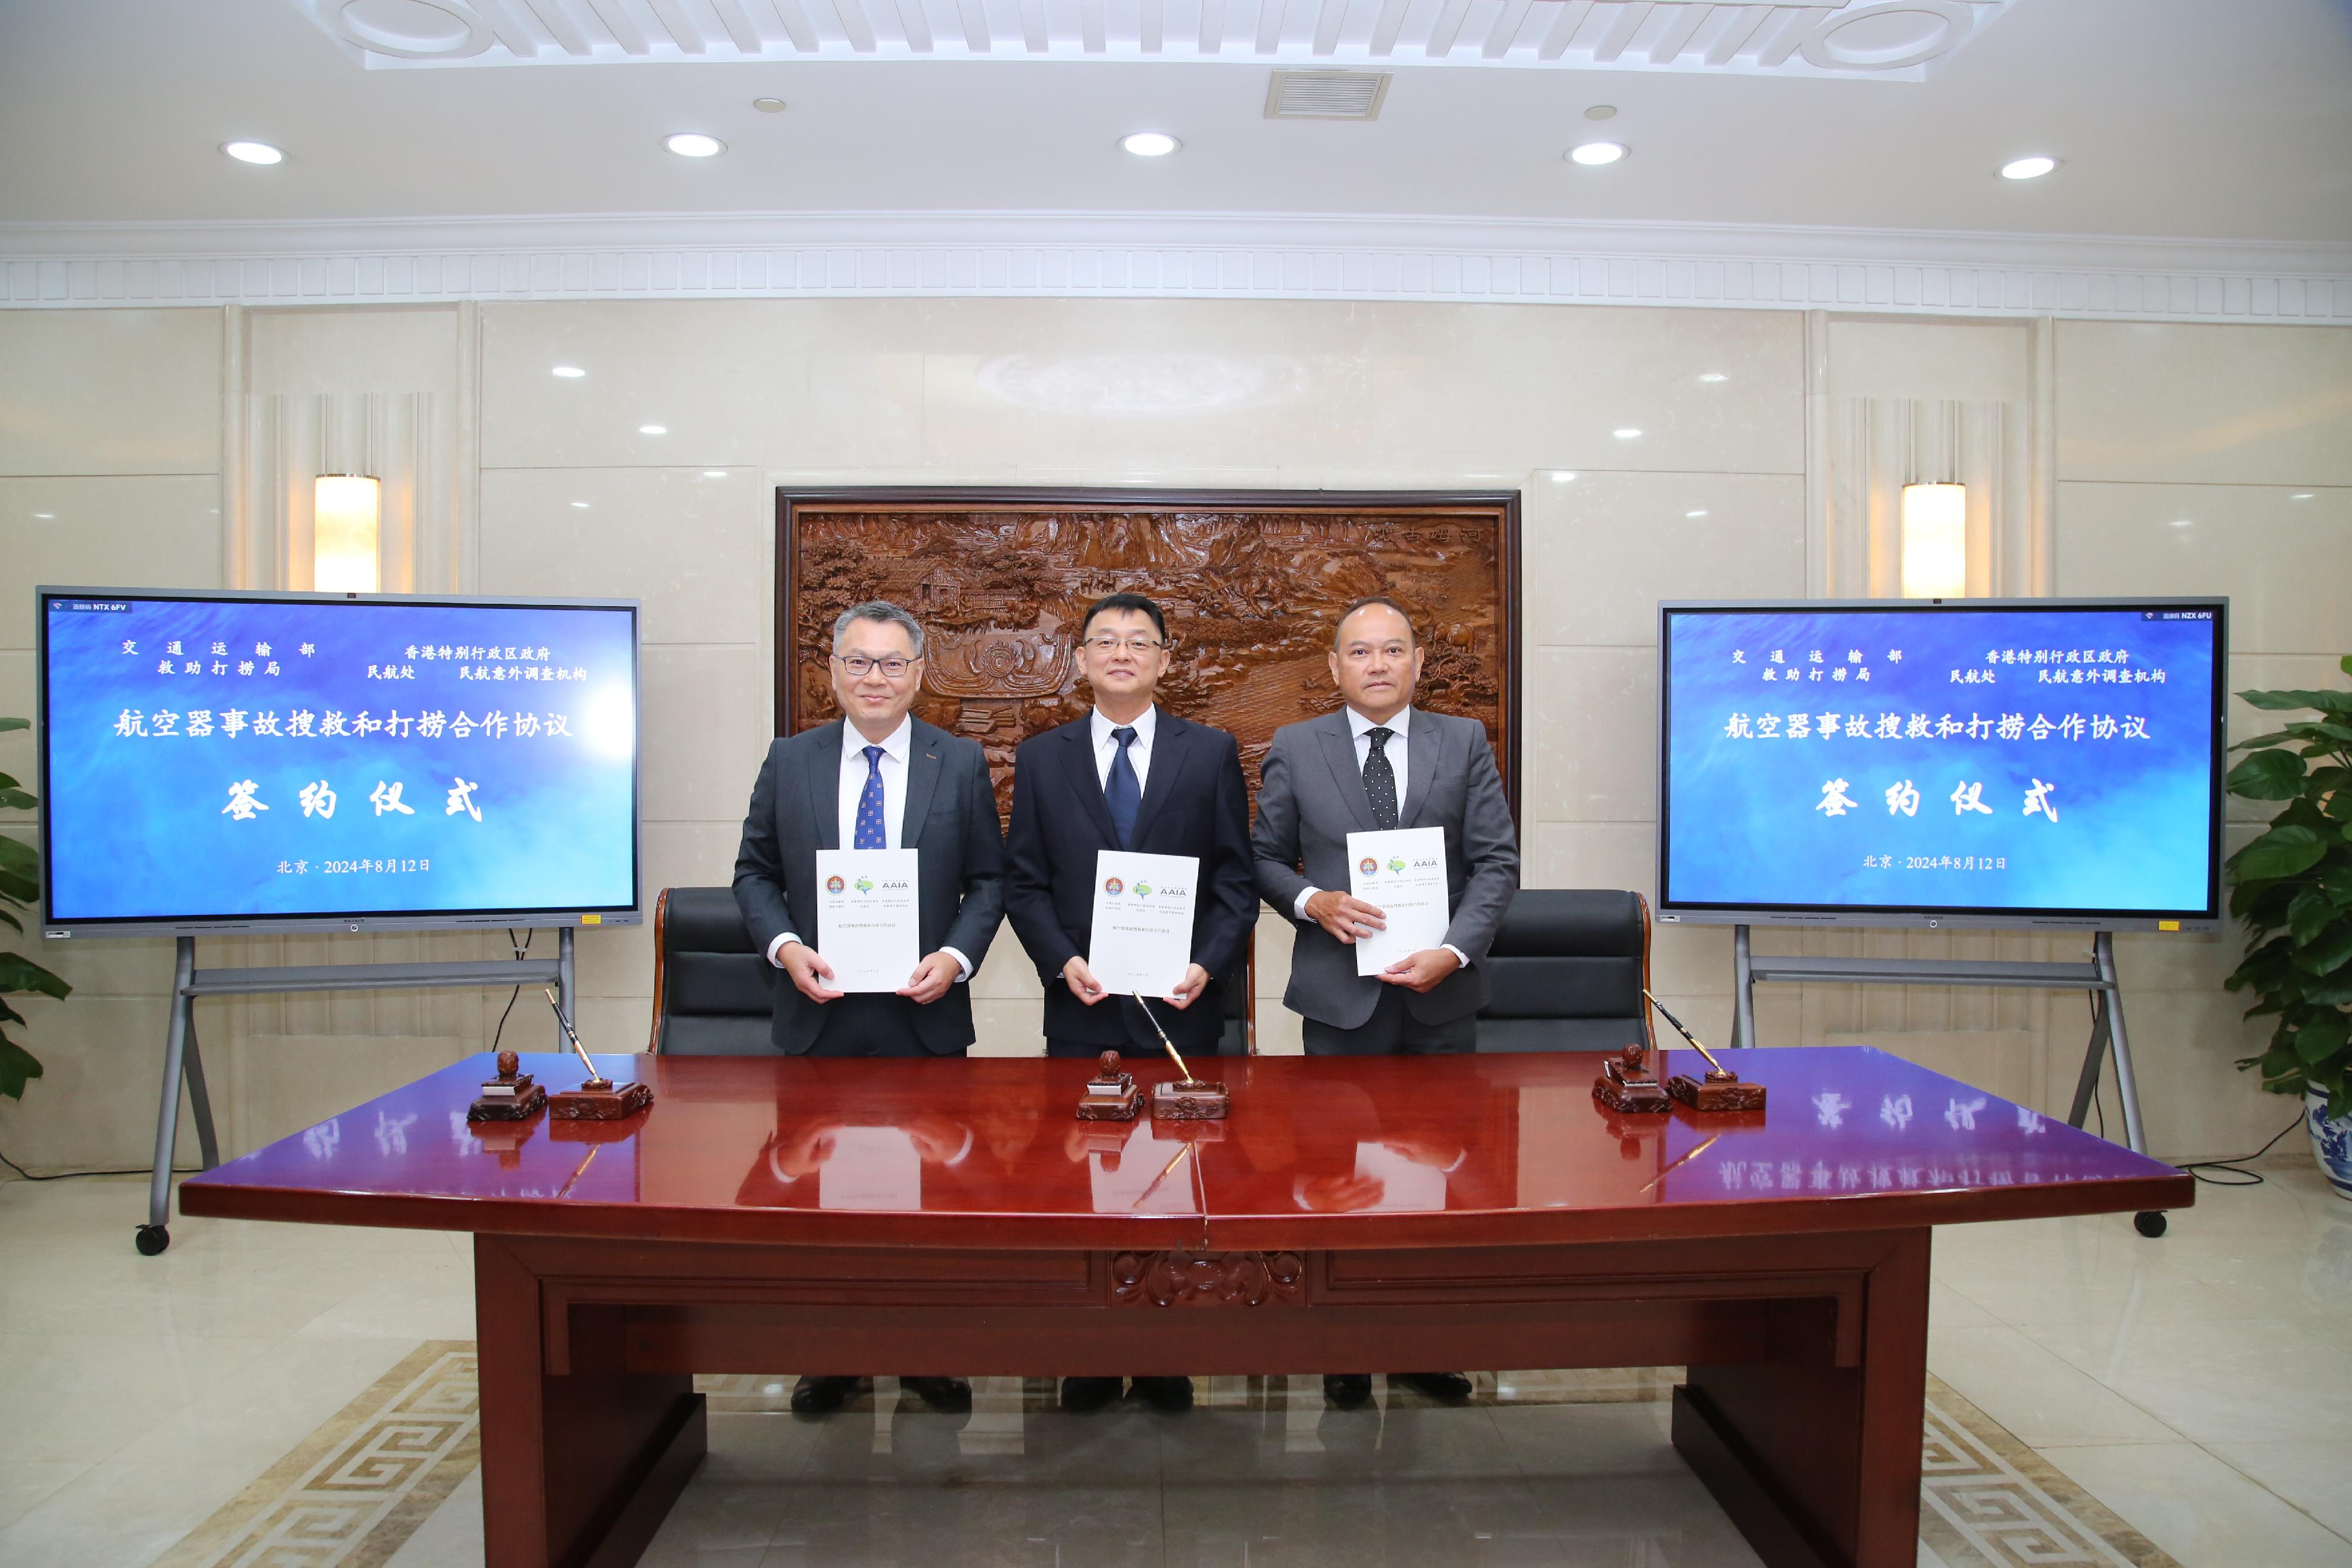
[[1380, 763], [879, 779]]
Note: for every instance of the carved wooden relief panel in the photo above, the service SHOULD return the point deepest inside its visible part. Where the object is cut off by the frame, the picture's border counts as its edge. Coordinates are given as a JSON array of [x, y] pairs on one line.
[[1252, 584]]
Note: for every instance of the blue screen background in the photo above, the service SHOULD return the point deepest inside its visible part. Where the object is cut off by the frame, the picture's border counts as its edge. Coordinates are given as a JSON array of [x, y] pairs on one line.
[[1751, 819], [142, 791]]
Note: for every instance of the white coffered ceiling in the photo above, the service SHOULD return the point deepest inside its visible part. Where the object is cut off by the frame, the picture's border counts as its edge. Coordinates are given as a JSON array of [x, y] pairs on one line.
[[1900, 38], [2205, 147]]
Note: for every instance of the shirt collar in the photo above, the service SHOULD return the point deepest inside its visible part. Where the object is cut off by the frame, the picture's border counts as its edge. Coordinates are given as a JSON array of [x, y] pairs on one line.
[[1358, 724], [899, 742], [1145, 724]]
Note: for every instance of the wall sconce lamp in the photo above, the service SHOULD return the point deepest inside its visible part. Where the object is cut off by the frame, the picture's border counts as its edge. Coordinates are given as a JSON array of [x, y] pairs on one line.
[[344, 514], [1935, 541]]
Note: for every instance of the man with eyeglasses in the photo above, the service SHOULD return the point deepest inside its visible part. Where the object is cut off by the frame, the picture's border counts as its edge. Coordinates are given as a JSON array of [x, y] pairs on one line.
[[1380, 763], [1129, 776], [876, 779]]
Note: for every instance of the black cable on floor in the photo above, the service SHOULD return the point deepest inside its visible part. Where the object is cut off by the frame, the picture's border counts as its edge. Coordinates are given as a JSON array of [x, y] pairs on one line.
[[2235, 1162], [74, 1176]]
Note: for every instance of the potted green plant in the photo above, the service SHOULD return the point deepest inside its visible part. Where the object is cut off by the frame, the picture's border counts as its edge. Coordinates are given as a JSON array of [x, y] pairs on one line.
[[20, 885], [2292, 889]]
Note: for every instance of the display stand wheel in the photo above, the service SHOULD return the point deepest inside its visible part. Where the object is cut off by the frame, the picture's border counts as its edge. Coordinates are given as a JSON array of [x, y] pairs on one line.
[[2148, 1222], [152, 1238]]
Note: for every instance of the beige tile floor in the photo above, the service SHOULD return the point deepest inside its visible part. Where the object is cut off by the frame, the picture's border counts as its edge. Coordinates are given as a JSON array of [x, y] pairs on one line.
[[2199, 1386]]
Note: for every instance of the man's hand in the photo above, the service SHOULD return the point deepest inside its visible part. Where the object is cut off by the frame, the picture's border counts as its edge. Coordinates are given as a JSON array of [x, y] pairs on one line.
[[931, 979], [1344, 915], [1082, 982], [1188, 990], [809, 972], [1340, 1193], [1421, 971]]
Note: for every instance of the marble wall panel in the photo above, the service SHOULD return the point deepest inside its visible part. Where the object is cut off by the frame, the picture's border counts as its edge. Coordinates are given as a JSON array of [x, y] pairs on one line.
[[2177, 403], [1602, 547], [2283, 554], [693, 547], [110, 392], [704, 725], [1590, 721], [105, 532]]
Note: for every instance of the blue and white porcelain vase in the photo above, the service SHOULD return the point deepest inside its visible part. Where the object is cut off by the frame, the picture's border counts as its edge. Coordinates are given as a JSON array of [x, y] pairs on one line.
[[2331, 1142]]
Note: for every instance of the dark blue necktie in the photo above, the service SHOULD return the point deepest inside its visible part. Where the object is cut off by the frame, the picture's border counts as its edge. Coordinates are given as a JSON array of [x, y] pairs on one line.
[[1121, 791], [870, 835]]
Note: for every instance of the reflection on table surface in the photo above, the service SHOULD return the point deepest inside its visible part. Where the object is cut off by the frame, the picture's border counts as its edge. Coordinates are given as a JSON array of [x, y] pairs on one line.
[[1368, 1138]]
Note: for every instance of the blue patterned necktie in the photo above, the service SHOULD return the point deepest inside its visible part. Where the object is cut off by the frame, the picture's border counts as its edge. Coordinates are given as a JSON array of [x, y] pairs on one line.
[[870, 835], [1122, 793]]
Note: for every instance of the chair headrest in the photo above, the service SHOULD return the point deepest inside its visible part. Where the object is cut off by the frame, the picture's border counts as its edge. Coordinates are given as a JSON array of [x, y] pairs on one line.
[[1592, 923]]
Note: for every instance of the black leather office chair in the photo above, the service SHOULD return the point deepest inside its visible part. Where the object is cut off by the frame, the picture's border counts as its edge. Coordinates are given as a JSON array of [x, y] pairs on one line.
[[713, 994], [1568, 969]]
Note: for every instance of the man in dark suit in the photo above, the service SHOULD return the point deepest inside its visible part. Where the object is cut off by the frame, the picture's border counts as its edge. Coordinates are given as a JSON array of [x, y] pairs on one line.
[[878, 779], [1129, 776], [1380, 763]]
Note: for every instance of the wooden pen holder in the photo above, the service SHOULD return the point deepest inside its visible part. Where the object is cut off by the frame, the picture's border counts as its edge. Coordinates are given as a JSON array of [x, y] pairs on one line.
[[1191, 1099], [1720, 1090], [600, 1100]]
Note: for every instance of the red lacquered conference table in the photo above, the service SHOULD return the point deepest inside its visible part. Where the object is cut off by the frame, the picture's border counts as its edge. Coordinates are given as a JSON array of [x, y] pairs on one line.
[[1360, 1214]]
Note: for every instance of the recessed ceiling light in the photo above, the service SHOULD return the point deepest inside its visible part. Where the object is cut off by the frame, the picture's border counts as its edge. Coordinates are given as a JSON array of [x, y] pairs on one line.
[[1715, 376], [47, 516], [1591, 154], [569, 372], [2184, 522], [714, 472], [2032, 168], [1628, 434], [582, 505], [1562, 478], [2300, 496], [1700, 513], [694, 144], [1150, 144], [253, 153], [653, 430], [1602, 111], [769, 105]]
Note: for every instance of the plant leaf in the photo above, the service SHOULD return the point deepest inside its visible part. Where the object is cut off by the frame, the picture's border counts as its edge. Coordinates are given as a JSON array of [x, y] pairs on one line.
[[2268, 776], [9, 724], [18, 973], [2326, 955], [2282, 851], [16, 799], [17, 1066], [2257, 742], [17, 855], [2310, 914], [2321, 1038]]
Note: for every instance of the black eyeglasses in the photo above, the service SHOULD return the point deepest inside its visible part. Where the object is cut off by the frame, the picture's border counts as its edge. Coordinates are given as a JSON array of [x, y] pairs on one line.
[[857, 665]]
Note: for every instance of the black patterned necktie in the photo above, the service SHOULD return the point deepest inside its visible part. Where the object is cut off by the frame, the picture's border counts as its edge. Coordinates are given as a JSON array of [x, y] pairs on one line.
[[1379, 779], [1122, 791]]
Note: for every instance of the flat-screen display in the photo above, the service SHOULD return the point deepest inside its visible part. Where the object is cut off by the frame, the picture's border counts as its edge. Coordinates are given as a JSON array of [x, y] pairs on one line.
[[214, 760], [1990, 762]]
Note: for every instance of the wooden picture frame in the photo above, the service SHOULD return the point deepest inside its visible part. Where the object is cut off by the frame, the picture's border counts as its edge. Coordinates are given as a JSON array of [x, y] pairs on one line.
[[1252, 581]]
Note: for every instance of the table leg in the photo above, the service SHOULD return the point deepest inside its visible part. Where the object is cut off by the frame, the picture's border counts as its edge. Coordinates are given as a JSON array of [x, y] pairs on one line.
[[577, 1470], [1818, 1463]]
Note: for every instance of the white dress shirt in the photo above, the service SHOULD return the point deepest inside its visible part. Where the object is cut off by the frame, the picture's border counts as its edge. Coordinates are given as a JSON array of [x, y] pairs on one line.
[[1400, 729], [892, 766], [1139, 752]]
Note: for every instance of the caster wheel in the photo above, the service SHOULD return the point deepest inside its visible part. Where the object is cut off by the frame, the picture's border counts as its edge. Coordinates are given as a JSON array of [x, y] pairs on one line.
[[152, 1240], [2150, 1223]]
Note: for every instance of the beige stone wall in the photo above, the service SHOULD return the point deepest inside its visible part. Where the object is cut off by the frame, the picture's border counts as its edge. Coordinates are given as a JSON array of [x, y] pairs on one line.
[[143, 433]]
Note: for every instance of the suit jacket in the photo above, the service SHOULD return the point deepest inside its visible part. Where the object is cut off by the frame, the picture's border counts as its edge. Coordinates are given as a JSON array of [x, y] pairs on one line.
[[950, 824], [1311, 797], [1194, 803]]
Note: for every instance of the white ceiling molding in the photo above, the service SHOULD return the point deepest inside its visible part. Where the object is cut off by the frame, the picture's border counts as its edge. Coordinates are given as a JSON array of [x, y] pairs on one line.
[[949, 255], [1904, 39]]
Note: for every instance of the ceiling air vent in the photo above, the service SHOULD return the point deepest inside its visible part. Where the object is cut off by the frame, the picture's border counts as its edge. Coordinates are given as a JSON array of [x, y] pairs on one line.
[[1326, 95]]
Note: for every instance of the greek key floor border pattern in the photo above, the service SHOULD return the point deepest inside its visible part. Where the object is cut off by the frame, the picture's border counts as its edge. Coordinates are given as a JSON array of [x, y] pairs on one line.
[[351, 1493]]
